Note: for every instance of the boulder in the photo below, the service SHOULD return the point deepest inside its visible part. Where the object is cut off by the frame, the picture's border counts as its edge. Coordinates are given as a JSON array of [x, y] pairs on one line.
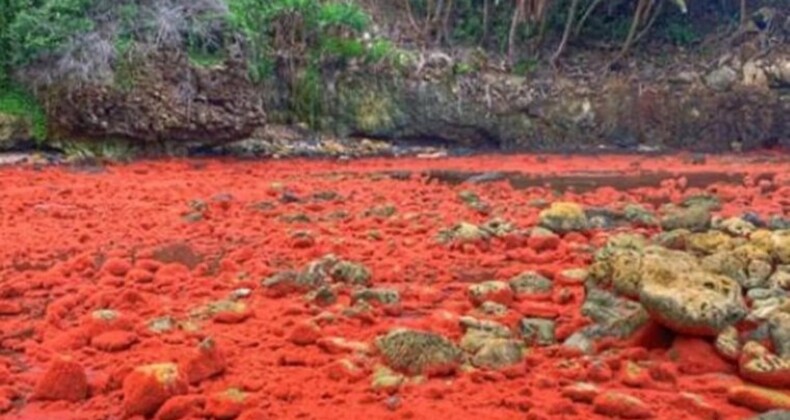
[[419, 353], [681, 296], [695, 218], [497, 353], [531, 283], [721, 79], [223, 104], [563, 217]]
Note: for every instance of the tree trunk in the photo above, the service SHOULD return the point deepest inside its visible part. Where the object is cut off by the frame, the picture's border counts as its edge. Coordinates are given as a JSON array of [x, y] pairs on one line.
[[567, 32], [511, 39], [641, 7], [486, 21]]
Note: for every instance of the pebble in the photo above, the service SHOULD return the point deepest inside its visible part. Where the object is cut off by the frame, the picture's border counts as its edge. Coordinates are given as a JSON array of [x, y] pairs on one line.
[[538, 331]]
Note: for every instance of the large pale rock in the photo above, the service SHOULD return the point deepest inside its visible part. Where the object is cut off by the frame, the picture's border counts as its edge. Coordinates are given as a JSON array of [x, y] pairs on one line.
[[681, 296]]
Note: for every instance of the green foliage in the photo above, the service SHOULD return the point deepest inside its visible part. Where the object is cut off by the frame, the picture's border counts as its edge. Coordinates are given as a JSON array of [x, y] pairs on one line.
[[16, 101], [525, 67], [313, 27], [8, 12], [380, 50], [307, 97], [42, 30], [202, 58], [680, 33]]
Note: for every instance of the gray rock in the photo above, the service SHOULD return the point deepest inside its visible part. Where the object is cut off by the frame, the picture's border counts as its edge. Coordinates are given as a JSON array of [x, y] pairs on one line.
[[759, 334], [737, 226], [486, 325], [778, 223], [695, 218], [538, 331], [764, 293], [707, 201], [497, 227], [779, 329], [563, 217], [639, 216], [324, 296], [463, 233], [780, 278], [584, 339], [675, 239], [726, 263], [773, 414], [481, 292], [498, 353], [721, 79], [615, 316], [240, 293], [351, 273], [691, 301], [763, 309], [530, 283], [382, 296], [602, 218], [493, 308], [286, 282], [781, 246], [105, 314], [161, 325], [419, 353], [758, 273]]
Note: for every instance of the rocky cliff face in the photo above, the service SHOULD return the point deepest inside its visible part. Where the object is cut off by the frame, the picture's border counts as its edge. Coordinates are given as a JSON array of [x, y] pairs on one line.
[[734, 105], [167, 100]]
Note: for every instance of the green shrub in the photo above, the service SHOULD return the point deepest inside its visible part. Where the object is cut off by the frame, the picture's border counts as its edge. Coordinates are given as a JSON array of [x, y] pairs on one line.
[[680, 33], [16, 101]]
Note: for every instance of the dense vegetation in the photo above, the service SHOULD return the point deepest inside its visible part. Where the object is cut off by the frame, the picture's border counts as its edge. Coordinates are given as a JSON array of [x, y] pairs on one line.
[[69, 43]]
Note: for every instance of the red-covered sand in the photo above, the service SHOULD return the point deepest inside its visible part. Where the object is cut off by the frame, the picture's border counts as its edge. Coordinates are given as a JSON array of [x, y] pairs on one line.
[[74, 242]]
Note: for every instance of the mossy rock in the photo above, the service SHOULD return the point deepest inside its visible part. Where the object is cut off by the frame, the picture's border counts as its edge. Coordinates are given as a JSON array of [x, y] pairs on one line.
[[351, 273], [707, 243], [419, 353], [563, 217], [681, 296], [695, 218]]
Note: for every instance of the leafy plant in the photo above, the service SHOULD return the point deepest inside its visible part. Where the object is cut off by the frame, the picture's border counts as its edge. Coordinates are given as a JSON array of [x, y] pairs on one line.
[[680, 33], [16, 101]]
